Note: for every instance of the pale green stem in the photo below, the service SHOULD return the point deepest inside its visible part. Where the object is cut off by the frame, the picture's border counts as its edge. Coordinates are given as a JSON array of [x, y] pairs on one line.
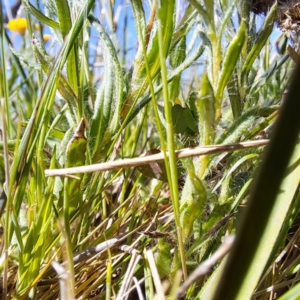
[[173, 179]]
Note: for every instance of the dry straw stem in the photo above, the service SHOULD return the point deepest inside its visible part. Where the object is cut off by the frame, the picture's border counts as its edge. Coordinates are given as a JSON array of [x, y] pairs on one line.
[[64, 281], [135, 258], [207, 265], [155, 276], [138, 161]]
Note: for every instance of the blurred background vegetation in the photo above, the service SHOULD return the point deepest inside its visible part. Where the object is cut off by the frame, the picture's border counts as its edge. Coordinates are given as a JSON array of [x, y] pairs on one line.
[[89, 82]]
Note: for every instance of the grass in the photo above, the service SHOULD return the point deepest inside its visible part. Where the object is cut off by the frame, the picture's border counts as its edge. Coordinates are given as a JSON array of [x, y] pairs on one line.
[[137, 178]]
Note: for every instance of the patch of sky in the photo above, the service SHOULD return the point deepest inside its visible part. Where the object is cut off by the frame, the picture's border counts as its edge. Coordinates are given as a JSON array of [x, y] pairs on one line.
[[118, 21]]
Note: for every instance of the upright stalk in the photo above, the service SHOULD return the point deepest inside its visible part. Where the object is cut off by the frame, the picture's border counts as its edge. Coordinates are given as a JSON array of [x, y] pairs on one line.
[[172, 176]]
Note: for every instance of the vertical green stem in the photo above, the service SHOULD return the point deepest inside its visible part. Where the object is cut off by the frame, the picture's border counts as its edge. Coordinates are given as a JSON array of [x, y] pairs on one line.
[[108, 276], [66, 228], [125, 37], [3, 80], [173, 176], [8, 195], [6, 132], [217, 56]]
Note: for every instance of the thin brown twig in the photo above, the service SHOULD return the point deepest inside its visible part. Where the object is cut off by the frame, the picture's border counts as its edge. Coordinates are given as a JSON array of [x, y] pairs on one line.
[[137, 161]]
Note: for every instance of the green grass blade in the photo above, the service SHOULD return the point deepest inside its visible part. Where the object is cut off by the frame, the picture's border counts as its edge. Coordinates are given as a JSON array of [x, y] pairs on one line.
[[65, 23], [64, 16], [22, 161], [46, 64], [140, 23], [75, 156], [110, 94], [233, 91], [202, 11], [239, 127], [187, 21], [234, 167], [40, 16], [259, 43], [292, 294], [229, 63], [139, 77], [4, 91], [206, 109]]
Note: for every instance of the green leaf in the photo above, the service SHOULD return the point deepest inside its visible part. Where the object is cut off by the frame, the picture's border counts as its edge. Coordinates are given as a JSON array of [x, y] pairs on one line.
[[178, 55], [259, 43], [206, 109], [233, 91], [229, 63], [65, 23], [64, 16], [187, 63], [39, 16], [243, 124], [192, 201], [110, 94], [76, 147], [164, 258], [139, 79], [187, 21], [75, 156], [46, 63], [140, 23], [234, 168], [202, 11], [183, 120]]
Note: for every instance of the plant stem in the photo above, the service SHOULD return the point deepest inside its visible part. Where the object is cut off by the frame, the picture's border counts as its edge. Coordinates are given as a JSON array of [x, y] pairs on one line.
[[173, 178]]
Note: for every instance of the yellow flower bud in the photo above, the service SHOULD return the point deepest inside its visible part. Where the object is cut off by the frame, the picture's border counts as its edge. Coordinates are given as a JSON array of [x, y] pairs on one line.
[[46, 37], [17, 25]]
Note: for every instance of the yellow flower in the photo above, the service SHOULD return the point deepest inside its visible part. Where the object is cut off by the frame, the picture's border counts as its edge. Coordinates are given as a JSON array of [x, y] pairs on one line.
[[18, 25], [46, 37], [178, 101]]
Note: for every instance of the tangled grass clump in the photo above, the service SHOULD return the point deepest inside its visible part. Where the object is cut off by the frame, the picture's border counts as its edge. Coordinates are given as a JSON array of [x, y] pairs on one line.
[[287, 14]]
